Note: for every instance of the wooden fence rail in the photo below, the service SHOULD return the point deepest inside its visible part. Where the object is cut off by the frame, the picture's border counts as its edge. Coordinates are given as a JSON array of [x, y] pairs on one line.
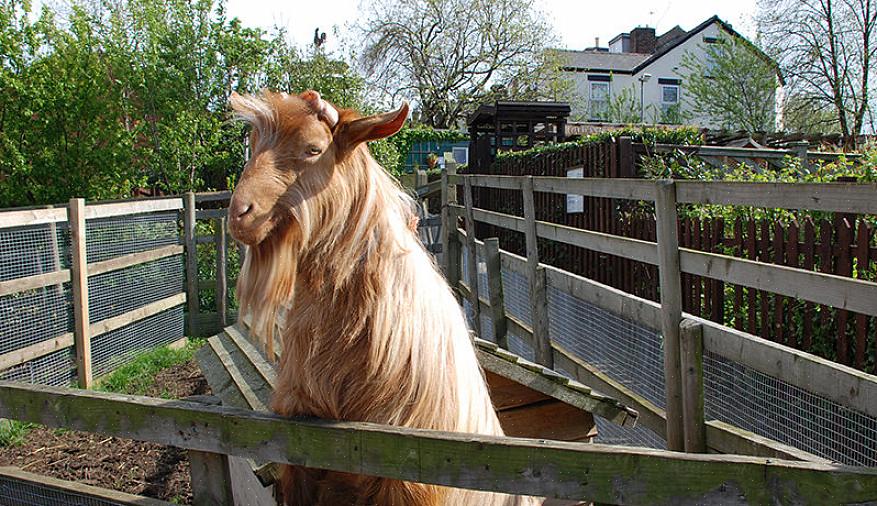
[[604, 474]]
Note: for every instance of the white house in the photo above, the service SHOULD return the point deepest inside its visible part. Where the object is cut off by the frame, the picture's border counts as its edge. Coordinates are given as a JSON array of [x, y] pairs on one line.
[[646, 70]]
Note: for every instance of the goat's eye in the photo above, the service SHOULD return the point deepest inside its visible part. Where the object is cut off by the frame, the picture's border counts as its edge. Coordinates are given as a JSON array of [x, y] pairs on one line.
[[314, 150]]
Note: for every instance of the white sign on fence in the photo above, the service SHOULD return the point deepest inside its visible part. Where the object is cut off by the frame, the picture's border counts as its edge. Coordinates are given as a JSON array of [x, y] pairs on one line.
[[575, 203]]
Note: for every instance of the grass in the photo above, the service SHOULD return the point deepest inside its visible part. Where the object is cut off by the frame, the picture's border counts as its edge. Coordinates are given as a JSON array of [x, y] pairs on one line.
[[138, 375], [13, 432]]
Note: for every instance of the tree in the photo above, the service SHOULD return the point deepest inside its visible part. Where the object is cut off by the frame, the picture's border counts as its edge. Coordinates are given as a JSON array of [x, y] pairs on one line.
[[733, 85], [125, 94], [449, 56], [825, 48]]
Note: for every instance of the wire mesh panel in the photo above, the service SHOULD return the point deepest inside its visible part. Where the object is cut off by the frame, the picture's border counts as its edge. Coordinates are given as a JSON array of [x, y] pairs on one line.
[[32, 250], [27, 493], [122, 235], [626, 352], [110, 350], [34, 316], [55, 369], [783, 412], [117, 292]]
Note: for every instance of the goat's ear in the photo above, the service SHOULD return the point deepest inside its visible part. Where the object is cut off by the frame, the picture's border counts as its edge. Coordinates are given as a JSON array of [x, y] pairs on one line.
[[372, 128]]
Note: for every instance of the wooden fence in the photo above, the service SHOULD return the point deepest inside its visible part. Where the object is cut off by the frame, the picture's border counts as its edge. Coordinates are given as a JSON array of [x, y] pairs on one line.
[[838, 383], [604, 474], [841, 243], [79, 274]]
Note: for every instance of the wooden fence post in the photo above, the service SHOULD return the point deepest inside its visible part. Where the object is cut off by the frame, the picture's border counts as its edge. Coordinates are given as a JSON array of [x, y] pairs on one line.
[[79, 279], [210, 472], [472, 257], [537, 281], [494, 287], [691, 356], [800, 149], [191, 263], [219, 235], [450, 240], [671, 307]]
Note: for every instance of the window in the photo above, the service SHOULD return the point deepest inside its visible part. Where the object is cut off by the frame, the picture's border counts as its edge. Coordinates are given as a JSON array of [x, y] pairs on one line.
[[670, 103], [599, 103]]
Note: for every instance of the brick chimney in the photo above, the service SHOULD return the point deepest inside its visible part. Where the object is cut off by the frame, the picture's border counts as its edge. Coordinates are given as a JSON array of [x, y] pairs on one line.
[[643, 40]]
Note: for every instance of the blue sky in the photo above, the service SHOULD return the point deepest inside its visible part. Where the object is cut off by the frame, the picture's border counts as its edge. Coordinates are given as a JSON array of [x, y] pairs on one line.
[[577, 22]]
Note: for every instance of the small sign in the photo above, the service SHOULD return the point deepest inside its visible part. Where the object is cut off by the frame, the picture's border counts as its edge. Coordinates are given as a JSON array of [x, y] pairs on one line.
[[575, 203]]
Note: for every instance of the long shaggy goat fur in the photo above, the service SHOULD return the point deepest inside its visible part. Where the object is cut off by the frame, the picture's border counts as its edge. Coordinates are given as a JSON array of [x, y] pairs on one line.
[[373, 332]]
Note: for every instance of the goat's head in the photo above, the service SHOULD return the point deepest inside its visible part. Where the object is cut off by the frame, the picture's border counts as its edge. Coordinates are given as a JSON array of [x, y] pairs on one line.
[[296, 144]]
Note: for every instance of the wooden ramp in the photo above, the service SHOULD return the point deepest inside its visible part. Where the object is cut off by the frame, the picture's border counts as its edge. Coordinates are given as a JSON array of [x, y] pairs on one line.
[[531, 401]]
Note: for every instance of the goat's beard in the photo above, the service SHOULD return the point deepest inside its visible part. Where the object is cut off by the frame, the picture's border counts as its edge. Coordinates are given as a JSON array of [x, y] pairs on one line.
[[268, 275]]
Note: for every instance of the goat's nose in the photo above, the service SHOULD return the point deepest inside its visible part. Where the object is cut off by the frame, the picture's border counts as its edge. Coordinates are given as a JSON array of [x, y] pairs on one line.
[[239, 209]]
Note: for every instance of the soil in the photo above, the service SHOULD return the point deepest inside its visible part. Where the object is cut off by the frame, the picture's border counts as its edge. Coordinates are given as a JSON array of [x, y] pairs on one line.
[[135, 467]]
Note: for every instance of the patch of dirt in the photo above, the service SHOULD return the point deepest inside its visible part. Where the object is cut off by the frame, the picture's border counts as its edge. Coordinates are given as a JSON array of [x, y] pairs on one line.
[[128, 466]]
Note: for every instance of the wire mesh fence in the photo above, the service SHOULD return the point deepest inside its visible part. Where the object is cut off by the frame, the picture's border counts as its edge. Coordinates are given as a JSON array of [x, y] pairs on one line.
[[38, 317], [15, 492], [632, 354]]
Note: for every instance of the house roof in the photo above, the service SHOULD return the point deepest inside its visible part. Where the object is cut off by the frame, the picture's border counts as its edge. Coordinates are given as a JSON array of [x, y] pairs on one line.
[[585, 61], [602, 61]]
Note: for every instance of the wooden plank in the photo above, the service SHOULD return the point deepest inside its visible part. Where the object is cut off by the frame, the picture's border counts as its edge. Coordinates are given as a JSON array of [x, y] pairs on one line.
[[98, 210], [838, 291], [536, 279], [450, 239], [845, 268], [268, 374], [634, 249], [472, 257], [792, 260], [31, 217], [125, 319], [738, 290], [221, 276], [751, 293], [81, 491], [124, 261], [854, 198], [779, 302], [517, 466], [691, 358], [809, 262], [627, 189], [192, 297], [495, 291], [548, 419], [211, 481], [211, 214], [842, 384], [671, 308], [507, 394], [79, 277], [19, 285], [236, 375], [863, 238], [607, 408], [212, 196], [37, 350]]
